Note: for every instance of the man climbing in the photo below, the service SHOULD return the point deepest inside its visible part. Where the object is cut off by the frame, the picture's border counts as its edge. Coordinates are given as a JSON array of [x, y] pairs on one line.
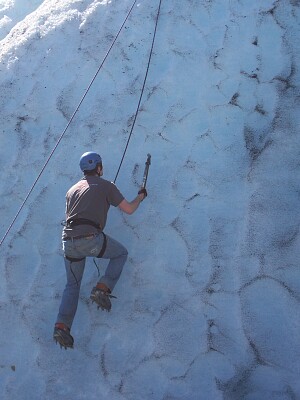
[[87, 205]]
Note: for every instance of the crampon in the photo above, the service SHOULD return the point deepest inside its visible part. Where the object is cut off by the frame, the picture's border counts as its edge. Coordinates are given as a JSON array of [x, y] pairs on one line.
[[101, 297], [62, 336]]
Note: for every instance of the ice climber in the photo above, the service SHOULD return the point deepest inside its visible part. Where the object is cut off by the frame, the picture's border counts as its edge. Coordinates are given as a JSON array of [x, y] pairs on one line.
[[87, 205]]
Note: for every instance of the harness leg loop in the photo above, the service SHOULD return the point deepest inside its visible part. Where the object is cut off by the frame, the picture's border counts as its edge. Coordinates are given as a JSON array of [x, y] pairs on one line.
[[102, 251]]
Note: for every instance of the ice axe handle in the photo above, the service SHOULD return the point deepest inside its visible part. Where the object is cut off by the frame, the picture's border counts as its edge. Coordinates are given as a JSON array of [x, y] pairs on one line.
[[147, 165]]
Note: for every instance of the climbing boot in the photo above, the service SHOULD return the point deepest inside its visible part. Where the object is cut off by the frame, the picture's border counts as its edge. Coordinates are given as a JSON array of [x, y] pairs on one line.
[[62, 336], [101, 295]]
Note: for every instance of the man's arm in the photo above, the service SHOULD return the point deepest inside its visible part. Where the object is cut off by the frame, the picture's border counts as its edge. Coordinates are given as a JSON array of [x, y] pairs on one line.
[[130, 207]]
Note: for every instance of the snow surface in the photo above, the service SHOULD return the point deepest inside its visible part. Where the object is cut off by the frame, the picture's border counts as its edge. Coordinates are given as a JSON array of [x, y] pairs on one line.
[[208, 303]]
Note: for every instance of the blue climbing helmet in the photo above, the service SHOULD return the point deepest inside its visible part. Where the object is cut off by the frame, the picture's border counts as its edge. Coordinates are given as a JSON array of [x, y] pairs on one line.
[[89, 161]]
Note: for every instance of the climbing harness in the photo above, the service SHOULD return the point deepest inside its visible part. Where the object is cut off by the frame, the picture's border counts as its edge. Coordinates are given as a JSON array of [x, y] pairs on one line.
[[70, 223], [102, 251], [74, 260], [81, 221]]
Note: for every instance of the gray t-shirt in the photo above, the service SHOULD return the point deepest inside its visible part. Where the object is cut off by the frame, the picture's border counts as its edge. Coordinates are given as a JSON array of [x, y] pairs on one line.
[[90, 198]]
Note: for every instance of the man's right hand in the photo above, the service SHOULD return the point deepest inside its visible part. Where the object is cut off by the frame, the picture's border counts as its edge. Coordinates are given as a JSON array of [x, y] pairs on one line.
[[143, 191]]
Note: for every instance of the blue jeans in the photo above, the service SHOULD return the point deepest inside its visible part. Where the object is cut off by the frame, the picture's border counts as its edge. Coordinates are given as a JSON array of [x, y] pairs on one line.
[[82, 248]]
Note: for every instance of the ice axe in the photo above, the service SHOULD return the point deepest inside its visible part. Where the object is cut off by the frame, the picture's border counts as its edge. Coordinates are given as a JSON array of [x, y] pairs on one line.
[[147, 165], [145, 176]]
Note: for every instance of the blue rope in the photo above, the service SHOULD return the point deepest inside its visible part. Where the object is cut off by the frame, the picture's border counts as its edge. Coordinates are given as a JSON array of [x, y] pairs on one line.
[[142, 91]]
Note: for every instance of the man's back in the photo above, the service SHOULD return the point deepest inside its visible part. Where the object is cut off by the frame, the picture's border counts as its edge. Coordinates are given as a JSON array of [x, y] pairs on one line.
[[90, 199]]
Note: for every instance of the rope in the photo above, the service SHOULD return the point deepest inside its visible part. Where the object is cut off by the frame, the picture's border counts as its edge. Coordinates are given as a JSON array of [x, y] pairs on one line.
[[67, 126], [142, 91]]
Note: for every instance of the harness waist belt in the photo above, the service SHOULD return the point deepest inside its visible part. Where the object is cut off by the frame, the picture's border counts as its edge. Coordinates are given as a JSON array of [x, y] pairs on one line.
[[87, 236], [81, 221]]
